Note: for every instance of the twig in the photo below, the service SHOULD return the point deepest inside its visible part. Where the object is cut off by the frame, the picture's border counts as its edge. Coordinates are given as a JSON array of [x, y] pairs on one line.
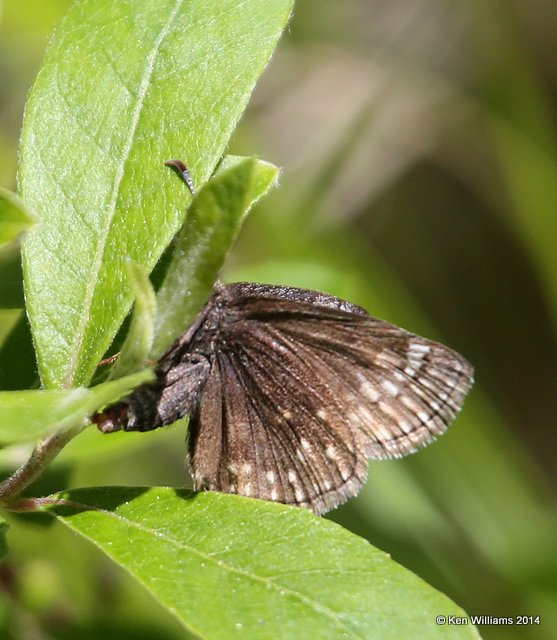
[[42, 456]]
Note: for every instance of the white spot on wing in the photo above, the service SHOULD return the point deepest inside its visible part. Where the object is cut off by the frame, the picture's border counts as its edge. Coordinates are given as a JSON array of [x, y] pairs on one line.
[[416, 348], [270, 475], [369, 390], [390, 388], [416, 354], [423, 416], [344, 473], [331, 452]]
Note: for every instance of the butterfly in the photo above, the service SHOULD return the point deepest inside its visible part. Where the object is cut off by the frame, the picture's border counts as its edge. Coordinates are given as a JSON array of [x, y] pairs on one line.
[[290, 392]]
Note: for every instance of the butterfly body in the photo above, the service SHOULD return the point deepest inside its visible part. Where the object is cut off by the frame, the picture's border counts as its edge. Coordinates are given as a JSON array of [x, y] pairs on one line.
[[290, 392]]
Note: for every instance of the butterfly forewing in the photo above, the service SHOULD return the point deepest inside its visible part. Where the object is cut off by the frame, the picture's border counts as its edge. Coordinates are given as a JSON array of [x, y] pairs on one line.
[[400, 390]]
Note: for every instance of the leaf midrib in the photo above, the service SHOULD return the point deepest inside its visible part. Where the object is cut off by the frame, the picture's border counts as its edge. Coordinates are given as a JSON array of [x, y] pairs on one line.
[[101, 245]]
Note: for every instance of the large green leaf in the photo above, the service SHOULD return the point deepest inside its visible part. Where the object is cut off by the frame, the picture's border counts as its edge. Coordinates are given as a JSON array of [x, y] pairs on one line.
[[213, 223], [228, 566], [27, 415], [124, 87]]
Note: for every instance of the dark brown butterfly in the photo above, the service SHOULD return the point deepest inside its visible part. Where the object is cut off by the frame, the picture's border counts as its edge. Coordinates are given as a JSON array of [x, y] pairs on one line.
[[291, 391]]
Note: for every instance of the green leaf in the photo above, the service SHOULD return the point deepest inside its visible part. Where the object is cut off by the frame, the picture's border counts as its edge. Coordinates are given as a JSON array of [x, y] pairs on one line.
[[28, 415], [139, 340], [124, 87], [15, 218], [212, 225], [228, 566]]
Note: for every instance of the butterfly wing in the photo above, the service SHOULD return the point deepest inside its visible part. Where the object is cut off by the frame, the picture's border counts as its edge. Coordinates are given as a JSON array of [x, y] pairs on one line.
[[305, 388]]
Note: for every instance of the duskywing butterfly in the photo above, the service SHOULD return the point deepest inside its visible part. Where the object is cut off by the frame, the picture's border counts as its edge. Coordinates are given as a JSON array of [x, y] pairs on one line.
[[290, 392]]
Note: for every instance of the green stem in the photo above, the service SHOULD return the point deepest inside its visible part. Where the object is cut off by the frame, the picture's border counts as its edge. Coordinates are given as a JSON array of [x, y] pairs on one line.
[[42, 456]]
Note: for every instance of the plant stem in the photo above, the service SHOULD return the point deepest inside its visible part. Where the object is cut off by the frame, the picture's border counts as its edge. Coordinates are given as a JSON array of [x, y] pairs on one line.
[[42, 456]]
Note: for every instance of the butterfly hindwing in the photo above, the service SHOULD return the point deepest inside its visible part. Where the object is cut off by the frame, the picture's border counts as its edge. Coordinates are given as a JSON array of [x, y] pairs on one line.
[[281, 444]]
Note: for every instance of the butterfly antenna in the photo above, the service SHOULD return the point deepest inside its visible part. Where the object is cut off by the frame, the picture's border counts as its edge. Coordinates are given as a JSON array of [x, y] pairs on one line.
[[183, 171]]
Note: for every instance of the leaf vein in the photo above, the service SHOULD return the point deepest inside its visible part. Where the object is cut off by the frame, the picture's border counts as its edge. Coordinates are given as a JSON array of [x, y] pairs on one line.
[[111, 209]]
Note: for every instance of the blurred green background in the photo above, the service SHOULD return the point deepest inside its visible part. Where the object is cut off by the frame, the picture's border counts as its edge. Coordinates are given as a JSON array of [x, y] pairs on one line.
[[419, 148]]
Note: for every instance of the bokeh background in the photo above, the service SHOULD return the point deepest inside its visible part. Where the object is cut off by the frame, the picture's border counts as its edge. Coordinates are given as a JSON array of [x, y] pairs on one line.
[[419, 152]]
